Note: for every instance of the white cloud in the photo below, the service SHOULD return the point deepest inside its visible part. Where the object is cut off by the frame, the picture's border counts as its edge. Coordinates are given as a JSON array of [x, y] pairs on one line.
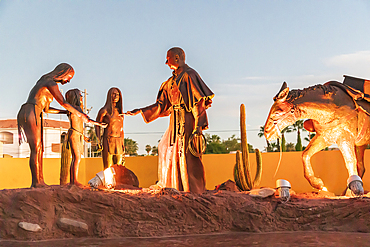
[[356, 64], [351, 59]]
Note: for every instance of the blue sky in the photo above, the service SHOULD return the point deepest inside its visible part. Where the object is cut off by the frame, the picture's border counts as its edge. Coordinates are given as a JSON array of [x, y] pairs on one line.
[[243, 50]]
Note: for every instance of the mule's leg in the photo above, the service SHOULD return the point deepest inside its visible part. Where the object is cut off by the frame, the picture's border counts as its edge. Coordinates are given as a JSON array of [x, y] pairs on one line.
[[316, 145], [347, 149], [360, 152]]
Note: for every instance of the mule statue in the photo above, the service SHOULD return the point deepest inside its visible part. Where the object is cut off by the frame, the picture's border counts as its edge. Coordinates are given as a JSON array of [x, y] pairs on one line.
[[339, 114]]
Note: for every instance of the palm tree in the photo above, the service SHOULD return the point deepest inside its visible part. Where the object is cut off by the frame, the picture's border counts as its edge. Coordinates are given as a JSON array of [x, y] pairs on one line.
[[94, 141], [131, 147], [310, 136], [154, 150], [148, 148], [290, 147], [274, 147], [298, 126], [261, 133], [287, 129], [214, 145]]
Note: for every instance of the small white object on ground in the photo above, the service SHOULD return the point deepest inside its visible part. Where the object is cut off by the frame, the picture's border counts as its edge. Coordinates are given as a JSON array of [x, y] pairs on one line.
[[29, 226]]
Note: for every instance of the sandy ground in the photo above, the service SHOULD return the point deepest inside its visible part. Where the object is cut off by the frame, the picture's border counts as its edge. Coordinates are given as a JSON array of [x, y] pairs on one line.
[[230, 239], [142, 217]]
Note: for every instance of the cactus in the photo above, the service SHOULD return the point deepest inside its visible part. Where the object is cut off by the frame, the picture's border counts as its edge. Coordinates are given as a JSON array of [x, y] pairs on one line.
[[242, 171], [65, 160]]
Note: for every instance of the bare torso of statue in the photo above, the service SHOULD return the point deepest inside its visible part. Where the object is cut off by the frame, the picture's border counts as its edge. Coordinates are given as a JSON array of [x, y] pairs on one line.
[[113, 137], [115, 124]]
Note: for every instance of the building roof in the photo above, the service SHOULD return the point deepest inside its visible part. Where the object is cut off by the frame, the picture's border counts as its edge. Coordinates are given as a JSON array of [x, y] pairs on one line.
[[51, 123]]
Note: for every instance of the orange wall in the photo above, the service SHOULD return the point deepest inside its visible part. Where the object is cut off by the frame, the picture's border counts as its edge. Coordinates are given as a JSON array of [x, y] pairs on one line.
[[328, 165]]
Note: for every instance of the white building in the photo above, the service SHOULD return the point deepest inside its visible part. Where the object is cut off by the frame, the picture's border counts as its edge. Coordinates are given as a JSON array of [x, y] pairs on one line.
[[9, 146]]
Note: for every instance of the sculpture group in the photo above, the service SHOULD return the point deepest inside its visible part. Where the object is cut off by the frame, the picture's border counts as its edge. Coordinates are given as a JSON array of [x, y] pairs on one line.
[[184, 97], [339, 114]]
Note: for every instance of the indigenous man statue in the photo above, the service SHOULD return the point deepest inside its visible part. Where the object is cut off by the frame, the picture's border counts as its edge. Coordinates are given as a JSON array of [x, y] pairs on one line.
[[113, 137], [30, 116], [185, 97]]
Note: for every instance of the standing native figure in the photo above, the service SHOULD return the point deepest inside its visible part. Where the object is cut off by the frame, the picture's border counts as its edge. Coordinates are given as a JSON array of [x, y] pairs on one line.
[[185, 97], [30, 118], [75, 135], [113, 137]]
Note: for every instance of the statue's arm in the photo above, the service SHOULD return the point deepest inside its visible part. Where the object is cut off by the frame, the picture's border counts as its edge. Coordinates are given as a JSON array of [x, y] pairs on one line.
[[54, 90], [53, 110], [98, 124], [200, 117], [102, 112]]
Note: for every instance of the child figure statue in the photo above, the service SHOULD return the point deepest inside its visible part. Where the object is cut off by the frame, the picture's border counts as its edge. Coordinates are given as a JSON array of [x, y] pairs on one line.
[[75, 133]]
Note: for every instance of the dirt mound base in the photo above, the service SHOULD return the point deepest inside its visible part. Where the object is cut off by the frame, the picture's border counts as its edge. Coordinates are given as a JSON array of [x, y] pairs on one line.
[[145, 213]]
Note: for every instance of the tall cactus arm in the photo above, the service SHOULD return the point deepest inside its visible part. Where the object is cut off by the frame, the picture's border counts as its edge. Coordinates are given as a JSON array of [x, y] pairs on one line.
[[242, 170], [244, 145]]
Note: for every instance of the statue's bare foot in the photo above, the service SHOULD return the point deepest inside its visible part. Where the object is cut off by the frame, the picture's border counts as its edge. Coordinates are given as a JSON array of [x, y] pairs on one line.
[[39, 185], [155, 187], [78, 184], [316, 182], [356, 188]]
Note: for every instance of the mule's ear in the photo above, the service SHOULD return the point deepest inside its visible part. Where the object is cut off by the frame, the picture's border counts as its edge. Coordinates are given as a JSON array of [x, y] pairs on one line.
[[283, 93]]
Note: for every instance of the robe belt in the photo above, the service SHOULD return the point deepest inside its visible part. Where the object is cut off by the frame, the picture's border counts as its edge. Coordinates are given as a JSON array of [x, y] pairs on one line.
[[178, 122]]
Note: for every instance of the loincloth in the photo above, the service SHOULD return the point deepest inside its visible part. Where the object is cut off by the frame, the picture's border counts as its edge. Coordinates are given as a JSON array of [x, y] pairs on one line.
[[115, 145], [70, 131], [23, 119]]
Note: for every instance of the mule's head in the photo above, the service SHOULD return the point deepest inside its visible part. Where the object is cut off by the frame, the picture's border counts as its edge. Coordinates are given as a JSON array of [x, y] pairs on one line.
[[282, 114]]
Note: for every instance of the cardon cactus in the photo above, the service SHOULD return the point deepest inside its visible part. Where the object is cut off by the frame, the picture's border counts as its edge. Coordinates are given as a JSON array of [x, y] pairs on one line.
[[65, 160], [242, 169]]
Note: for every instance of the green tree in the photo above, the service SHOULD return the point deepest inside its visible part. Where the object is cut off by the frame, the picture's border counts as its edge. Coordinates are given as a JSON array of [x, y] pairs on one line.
[[154, 150], [309, 136], [287, 129], [251, 148], [261, 134], [273, 147], [298, 126], [131, 147], [214, 145], [94, 141], [148, 148], [232, 144], [290, 147]]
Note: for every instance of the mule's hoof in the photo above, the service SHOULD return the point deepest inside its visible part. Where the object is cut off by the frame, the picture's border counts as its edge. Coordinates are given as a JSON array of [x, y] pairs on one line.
[[355, 185]]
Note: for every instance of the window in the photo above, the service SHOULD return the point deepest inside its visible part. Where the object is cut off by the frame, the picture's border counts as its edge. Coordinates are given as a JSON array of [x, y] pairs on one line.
[[6, 137]]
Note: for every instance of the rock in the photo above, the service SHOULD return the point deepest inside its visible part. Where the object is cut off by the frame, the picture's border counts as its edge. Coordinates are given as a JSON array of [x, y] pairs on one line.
[[169, 191], [264, 192], [229, 185], [125, 176], [29, 226], [72, 226], [119, 176]]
